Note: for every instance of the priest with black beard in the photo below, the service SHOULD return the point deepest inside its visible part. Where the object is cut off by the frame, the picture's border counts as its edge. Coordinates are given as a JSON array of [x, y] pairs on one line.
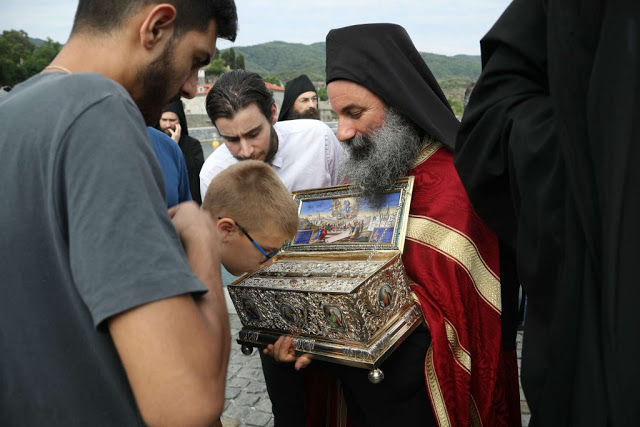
[[300, 100], [548, 152], [394, 120]]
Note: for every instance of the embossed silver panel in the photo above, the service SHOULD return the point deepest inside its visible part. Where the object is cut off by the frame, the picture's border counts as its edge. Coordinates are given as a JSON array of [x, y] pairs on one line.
[[347, 301]]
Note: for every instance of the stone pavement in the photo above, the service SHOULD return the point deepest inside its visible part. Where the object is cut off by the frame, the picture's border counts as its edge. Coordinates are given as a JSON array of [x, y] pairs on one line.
[[247, 403], [246, 400]]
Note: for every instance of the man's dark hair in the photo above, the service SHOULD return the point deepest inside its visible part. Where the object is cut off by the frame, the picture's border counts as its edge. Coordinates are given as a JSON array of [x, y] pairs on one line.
[[103, 16], [236, 90]]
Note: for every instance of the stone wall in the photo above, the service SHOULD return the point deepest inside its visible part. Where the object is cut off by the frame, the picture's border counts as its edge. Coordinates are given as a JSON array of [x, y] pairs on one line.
[[198, 120]]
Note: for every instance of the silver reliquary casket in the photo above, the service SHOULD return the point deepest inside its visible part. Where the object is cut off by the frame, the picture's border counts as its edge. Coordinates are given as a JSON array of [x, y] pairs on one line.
[[339, 289]]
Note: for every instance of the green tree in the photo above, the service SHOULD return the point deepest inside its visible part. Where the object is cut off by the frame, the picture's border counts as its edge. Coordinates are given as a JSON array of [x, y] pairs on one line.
[[217, 67], [21, 59], [229, 56], [19, 44], [41, 57], [273, 80], [8, 68], [322, 94], [15, 49], [240, 62], [456, 106]]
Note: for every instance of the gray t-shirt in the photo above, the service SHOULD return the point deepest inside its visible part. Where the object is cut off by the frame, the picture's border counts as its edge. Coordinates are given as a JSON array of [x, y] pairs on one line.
[[84, 235]]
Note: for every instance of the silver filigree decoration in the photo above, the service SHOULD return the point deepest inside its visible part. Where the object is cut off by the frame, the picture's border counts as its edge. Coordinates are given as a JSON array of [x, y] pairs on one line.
[[304, 344], [252, 336]]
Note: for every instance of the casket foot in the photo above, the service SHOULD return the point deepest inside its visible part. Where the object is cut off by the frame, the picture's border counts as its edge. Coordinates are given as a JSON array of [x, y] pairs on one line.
[[246, 349], [376, 376]]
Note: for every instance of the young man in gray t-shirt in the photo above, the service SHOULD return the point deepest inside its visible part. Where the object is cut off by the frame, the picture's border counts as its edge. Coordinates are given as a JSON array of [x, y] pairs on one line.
[[103, 320]]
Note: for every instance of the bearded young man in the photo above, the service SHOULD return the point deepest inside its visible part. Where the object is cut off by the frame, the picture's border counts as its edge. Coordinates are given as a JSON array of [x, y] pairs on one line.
[[103, 326], [300, 100], [304, 153], [394, 121]]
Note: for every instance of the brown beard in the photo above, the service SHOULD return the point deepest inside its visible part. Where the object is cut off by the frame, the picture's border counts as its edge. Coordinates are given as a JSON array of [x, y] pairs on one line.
[[309, 113], [271, 151], [273, 146]]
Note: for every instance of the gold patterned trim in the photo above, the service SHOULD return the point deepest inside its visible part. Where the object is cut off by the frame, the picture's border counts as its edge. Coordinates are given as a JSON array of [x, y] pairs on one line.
[[460, 248], [474, 415], [439, 407], [462, 356], [428, 149]]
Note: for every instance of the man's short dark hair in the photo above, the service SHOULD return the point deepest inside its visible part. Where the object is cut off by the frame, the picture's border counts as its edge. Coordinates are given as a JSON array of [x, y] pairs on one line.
[[104, 16], [236, 90]]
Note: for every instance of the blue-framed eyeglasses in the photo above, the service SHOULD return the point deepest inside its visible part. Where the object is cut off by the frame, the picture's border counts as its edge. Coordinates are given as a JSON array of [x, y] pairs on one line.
[[267, 255]]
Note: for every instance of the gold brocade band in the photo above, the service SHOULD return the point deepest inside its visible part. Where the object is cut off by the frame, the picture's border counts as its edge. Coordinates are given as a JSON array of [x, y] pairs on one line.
[[439, 407], [461, 355], [459, 247], [428, 149], [474, 416]]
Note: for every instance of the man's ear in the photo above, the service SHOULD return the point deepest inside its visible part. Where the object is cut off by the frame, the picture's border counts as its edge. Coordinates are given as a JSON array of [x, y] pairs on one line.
[[158, 25], [274, 113]]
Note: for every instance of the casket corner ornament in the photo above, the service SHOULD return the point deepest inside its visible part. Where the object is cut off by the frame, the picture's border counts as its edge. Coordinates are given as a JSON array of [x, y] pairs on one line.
[[339, 288]]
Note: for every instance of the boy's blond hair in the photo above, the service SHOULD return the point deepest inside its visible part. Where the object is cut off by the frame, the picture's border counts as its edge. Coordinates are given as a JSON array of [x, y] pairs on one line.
[[251, 193]]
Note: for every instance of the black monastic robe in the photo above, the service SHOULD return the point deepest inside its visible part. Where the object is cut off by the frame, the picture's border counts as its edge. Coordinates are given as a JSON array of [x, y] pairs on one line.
[[549, 152]]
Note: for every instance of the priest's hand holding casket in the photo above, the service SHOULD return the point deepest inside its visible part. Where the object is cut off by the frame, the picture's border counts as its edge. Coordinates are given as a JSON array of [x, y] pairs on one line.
[[283, 351]]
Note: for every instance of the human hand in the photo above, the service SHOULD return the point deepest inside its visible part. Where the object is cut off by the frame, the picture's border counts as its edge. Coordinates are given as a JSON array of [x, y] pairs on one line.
[[197, 231], [175, 134], [283, 351], [194, 226]]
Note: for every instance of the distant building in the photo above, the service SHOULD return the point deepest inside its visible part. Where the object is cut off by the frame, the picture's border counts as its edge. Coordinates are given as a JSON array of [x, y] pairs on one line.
[[278, 94], [326, 113]]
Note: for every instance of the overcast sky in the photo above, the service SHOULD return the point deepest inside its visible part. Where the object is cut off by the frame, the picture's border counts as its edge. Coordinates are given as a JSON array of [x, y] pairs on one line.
[[447, 27]]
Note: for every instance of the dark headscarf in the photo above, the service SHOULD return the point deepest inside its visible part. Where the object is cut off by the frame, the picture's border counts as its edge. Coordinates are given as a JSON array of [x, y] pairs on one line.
[[177, 108], [292, 90], [191, 150], [382, 58]]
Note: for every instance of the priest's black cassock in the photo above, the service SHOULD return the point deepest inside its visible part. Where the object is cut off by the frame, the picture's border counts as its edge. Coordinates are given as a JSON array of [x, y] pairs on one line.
[[549, 152]]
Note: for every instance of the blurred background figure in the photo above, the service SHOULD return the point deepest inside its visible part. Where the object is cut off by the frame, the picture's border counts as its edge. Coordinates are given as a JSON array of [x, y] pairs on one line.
[[174, 168], [300, 100], [174, 123]]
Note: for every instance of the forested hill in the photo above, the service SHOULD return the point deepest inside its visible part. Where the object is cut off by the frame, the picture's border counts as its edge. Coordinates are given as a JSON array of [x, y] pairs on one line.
[[287, 60], [277, 62]]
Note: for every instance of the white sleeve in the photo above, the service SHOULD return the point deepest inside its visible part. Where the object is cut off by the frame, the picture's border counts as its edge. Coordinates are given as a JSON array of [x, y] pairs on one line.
[[334, 153], [206, 175], [209, 170], [217, 161]]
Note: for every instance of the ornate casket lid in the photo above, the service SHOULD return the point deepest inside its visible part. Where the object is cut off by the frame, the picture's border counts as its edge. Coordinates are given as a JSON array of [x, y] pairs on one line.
[[342, 219]]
